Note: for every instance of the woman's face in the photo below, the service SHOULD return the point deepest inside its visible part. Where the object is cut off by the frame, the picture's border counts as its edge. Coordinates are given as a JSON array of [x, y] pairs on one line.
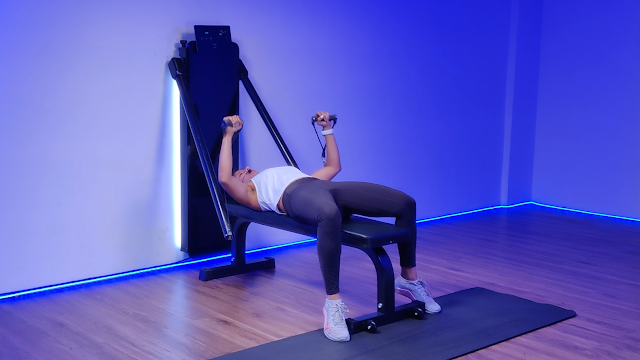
[[245, 175]]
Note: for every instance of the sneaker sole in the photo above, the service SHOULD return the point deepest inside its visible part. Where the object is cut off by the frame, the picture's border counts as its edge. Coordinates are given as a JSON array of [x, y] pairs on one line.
[[408, 294]]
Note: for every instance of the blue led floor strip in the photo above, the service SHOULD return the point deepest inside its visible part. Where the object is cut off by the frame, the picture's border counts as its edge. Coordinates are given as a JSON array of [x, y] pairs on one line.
[[585, 212], [142, 271], [108, 277], [473, 211], [195, 261]]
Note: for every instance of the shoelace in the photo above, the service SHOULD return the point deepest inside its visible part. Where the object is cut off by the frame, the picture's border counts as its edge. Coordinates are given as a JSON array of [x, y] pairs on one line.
[[337, 314], [424, 288]]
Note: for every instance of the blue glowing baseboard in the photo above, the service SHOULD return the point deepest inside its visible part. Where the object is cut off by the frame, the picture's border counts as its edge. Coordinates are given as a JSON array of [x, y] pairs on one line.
[[195, 261], [528, 203]]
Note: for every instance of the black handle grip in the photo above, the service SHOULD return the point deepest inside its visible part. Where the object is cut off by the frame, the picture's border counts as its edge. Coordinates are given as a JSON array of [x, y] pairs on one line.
[[226, 123], [333, 118]]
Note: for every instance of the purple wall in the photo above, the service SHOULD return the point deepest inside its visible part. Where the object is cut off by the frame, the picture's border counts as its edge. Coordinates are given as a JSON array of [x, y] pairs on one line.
[[419, 90], [85, 146], [587, 153]]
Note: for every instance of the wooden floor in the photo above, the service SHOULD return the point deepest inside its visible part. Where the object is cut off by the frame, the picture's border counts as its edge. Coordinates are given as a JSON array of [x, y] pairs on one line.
[[584, 263]]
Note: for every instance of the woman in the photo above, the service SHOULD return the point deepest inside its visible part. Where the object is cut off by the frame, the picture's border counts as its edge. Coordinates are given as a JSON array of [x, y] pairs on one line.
[[314, 199]]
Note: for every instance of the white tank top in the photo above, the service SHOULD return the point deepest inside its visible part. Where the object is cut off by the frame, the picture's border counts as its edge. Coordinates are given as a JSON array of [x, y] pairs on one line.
[[271, 183]]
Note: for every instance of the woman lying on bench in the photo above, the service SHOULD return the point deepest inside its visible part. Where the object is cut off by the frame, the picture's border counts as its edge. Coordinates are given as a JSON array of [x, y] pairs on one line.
[[318, 201]]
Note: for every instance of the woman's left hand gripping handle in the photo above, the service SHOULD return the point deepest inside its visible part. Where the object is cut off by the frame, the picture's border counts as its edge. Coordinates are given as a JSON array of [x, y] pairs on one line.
[[234, 124]]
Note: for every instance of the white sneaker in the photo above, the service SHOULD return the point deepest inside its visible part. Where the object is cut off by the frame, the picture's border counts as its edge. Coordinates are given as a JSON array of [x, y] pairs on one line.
[[417, 290], [335, 326]]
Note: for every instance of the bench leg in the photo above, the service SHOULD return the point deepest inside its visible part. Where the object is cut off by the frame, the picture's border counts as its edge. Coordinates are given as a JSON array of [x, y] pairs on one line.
[[385, 276], [239, 264], [387, 311]]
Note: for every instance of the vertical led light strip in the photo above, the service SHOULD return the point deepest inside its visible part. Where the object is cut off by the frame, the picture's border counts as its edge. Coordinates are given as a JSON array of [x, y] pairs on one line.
[[176, 168]]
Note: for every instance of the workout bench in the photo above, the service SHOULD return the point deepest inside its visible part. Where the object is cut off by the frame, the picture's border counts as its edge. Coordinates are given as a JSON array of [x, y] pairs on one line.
[[215, 50], [361, 233]]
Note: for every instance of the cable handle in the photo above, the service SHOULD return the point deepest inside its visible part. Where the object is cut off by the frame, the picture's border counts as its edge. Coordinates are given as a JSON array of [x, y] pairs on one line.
[[226, 123], [333, 118]]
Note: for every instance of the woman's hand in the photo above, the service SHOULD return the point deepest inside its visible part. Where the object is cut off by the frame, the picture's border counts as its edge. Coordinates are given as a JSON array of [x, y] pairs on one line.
[[322, 119], [332, 166], [236, 124]]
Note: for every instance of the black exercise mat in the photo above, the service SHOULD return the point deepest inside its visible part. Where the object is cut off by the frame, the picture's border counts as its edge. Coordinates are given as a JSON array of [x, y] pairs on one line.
[[470, 320]]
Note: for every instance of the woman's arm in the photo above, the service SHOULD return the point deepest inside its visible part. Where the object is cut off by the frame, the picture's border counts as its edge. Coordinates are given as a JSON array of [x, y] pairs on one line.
[[242, 193], [332, 167]]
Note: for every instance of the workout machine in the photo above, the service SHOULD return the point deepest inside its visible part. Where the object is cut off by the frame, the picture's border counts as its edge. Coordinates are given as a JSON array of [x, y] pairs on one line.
[[208, 73]]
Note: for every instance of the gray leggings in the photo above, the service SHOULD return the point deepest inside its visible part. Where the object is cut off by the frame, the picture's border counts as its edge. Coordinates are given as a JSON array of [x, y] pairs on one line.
[[325, 203]]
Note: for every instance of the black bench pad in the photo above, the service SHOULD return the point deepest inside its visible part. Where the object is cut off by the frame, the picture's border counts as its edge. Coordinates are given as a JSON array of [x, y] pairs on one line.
[[356, 231]]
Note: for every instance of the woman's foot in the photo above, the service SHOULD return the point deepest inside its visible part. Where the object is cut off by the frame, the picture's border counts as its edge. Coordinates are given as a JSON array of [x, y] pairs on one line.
[[335, 326], [417, 290]]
